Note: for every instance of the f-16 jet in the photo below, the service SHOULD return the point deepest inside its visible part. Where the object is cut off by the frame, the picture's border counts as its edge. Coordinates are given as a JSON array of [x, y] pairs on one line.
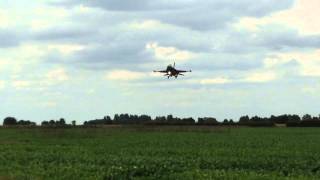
[[171, 71]]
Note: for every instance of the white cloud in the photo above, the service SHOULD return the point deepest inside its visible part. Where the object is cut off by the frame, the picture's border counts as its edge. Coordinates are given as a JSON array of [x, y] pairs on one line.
[[21, 84], [44, 17], [82, 9], [2, 84], [4, 19], [66, 49], [11, 67], [260, 77], [311, 89], [252, 77], [48, 11], [49, 104], [217, 80], [308, 60], [38, 24], [124, 75], [91, 91], [38, 82], [31, 50], [310, 69], [57, 75], [303, 16], [3, 64], [274, 60], [147, 24], [169, 53]]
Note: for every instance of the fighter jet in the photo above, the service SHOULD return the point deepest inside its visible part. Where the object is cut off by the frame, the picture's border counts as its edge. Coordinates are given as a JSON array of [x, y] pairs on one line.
[[171, 71]]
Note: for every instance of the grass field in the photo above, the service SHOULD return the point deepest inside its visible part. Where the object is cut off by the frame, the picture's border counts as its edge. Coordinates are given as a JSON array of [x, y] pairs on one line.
[[160, 153]]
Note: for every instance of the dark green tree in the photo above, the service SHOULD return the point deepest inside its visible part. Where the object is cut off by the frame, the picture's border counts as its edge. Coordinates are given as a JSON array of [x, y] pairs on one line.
[[306, 117], [62, 122], [52, 122], [244, 120], [107, 120], [9, 121], [207, 121], [44, 123]]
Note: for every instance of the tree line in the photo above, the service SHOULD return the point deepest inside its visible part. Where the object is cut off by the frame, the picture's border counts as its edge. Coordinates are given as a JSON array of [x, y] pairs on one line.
[[129, 119]]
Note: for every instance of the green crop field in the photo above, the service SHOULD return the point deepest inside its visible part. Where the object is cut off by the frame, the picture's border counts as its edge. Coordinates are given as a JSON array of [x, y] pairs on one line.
[[160, 153]]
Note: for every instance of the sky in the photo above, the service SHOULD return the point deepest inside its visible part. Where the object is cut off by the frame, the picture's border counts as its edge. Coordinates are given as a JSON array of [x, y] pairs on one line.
[[82, 60]]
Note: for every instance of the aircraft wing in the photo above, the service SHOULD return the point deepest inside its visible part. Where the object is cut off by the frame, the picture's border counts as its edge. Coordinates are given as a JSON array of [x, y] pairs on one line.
[[163, 71], [183, 71]]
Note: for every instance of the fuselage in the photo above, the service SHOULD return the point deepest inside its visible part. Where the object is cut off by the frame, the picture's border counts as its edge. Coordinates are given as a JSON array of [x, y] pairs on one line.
[[172, 71]]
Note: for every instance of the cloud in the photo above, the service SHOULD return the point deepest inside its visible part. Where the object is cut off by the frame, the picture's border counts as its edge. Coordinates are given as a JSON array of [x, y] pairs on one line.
[[41, 80], [303, 16], [57, 75], [9, 38], [287, 39], [22, 84], [66, 49], [252, 77], [223, 62], [204, 15], [49, 104], [115, 55], [61, 33], [148, 24], [3, 64], [4, 19], [124, 75], [172, 53], [121, 41], [260, 77], [308, 61], [2, 84], [217, 80], [269, 38]]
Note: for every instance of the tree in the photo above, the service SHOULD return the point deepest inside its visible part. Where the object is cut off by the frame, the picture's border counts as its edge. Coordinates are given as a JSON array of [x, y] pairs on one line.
[[124, 119], [306, 117], [160, 120], [8, 121], [107, 120], [52, 122], [225, 122], [62, 122], [170, 119], [26, 123], [207, 121], [244, 120], [116, 119], [309, 121], [294, 118], [44, 123], [73, 123], [143, 119]]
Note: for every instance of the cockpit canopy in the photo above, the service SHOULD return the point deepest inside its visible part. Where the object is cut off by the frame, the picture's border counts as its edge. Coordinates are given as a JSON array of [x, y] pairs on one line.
[[169, 67]]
